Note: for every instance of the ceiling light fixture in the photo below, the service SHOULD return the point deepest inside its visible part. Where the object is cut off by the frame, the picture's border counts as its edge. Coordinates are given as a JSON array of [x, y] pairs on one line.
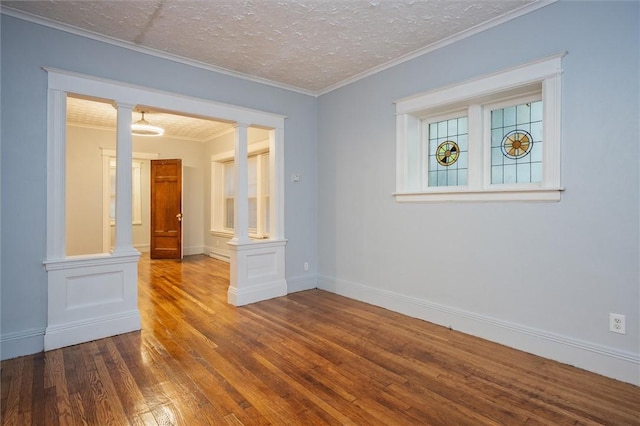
[[143, 128]]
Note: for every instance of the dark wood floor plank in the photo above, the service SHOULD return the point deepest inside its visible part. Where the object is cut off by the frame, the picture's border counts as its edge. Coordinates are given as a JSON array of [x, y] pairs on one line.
[[306, 389], [26, 387], [11, 410], [51, 406], [132, 400], [310, 358], [193, 364], [56, 379], [37, 390], [6, 371], [185, 395], [77, 409], [102, 406]]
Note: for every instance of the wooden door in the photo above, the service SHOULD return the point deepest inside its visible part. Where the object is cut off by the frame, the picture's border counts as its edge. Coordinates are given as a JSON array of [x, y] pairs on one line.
[[166, 209]]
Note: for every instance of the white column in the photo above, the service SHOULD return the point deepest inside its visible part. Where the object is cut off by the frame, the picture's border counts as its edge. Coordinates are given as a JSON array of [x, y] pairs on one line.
[[124, 157], [479, 172], [276, 187], [241, 198], [56, 174]]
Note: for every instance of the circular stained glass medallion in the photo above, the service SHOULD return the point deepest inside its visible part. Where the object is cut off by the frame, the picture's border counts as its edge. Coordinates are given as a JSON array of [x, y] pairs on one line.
[[517, 144], [447, 153]]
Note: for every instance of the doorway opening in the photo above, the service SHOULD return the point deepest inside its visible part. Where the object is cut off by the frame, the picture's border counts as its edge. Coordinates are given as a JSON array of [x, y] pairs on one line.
[[93, 290]]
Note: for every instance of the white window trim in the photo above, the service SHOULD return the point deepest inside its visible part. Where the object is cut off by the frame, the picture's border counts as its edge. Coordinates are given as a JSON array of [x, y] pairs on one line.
[[218, 197], [136, 203], [543, 75]]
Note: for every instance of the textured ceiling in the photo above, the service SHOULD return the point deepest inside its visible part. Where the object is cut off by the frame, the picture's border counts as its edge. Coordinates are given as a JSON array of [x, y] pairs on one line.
[[308, 45], [102, 115]]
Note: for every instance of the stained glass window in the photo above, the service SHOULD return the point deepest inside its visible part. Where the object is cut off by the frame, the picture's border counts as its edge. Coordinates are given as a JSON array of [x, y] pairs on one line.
[[447, 162], [516, 144]]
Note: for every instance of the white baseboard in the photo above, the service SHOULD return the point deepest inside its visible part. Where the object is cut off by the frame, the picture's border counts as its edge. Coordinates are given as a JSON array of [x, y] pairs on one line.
[[142, 248], [21, 343], [301, 283], [217, 254], [256, 293], [95, 328], [188, 251], [610, 362]]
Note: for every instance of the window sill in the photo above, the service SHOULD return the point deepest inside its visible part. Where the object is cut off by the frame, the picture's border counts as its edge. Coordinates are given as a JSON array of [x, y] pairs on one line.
[[134, 223], [227, 234], [529, 194], [223, 234]]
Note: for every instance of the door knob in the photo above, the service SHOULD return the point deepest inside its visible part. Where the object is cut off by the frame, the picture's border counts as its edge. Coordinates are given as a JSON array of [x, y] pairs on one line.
[[179, 216]]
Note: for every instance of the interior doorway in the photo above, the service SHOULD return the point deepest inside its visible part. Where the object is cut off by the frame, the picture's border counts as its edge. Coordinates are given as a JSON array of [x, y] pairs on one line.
[[166, 209], [94, 294]]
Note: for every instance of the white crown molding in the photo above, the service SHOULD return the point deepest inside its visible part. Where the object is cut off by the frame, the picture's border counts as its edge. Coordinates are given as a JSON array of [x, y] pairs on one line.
[[145, 50], [220, 134], [440, 44], [175, 58]]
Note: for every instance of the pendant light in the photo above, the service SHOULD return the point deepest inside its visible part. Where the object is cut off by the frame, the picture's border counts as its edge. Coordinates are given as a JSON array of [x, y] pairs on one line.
[[143, 128]]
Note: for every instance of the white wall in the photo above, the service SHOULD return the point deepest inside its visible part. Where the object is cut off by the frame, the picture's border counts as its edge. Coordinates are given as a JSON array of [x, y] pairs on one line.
[[84, 188], [193, 169], [539, 276]]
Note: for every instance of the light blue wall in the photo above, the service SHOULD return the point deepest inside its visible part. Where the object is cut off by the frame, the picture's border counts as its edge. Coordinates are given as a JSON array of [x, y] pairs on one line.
[[561, 273], [559, 268], [26, 48]]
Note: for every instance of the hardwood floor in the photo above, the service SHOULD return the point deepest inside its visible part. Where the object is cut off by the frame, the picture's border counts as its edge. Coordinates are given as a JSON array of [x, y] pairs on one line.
[[306, 359]]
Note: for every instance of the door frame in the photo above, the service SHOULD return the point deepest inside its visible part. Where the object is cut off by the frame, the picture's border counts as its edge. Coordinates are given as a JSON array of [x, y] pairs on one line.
[[95, 296]]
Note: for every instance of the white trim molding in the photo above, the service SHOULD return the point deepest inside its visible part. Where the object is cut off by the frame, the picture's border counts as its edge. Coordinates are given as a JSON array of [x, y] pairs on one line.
[[96, 296], [301, 283], [19, 343], [471, 103], [260, 274], [91, 297], [610, 362], [217, 254], [527, 8]]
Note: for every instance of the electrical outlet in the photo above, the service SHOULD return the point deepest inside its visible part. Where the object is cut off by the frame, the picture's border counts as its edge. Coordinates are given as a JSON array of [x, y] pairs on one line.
[[306, 266], [617, 323]]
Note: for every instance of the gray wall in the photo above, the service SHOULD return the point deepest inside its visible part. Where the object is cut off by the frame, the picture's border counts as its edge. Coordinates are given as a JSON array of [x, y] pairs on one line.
[[567, 265], [25, 49]]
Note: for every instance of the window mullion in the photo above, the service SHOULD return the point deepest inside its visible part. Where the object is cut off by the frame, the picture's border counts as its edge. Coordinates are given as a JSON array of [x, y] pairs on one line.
[[477, 150], [509, 150]]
